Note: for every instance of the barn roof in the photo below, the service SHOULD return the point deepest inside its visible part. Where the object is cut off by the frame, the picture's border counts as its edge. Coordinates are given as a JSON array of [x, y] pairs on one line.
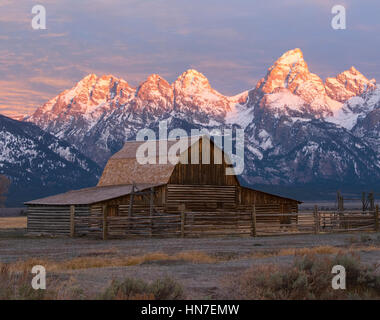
[[90, 195], [124, 168]]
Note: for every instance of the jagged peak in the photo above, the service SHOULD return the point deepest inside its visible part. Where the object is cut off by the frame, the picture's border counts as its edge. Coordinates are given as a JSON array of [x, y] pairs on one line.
[[353, 70], [153, 82], [348, 84], [90, 76], [92, 81], [190, 80], [353, 74], [89, 79], [289, 71], [192, 74], [108, 77], [291, 57], [155, 78]]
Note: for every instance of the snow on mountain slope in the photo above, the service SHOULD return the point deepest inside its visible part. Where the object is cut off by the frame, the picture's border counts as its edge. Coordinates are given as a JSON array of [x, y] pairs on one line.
[[356, 108], [297, 152], [39, 163]]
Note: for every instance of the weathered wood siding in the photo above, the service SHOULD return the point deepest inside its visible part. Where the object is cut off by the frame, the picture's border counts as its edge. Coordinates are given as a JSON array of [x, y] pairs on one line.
[[202, 174], [201, 197], [54, 220], [141, 203]]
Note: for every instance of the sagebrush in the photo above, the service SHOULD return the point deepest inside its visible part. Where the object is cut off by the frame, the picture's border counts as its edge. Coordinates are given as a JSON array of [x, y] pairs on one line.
[[309, 277]]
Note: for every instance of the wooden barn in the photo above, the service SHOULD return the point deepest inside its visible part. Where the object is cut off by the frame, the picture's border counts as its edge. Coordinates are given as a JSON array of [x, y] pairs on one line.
[[177, 198]]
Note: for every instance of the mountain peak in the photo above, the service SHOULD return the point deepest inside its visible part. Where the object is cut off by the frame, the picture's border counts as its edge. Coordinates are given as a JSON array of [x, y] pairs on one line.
[[192, 75], [154, 77], [90, 76], [348, 84], [353, 70], [291, 57], [155, 92], [192, 80], [293, 85], [289, 71]]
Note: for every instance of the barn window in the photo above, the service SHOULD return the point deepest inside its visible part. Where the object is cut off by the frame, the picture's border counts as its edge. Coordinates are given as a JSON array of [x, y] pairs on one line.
[[112, 211]]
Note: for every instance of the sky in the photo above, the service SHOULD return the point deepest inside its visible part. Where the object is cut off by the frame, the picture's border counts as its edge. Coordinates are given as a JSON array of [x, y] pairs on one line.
[[232, 43]]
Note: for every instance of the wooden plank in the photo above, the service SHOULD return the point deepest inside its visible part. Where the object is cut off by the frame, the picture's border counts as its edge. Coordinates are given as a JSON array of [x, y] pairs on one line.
[[254, 234], [72, 221], [105, 231], [183, 219]]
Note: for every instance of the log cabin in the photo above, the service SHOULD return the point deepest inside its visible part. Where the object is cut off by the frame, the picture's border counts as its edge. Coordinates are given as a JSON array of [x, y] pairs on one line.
[[129, 190]]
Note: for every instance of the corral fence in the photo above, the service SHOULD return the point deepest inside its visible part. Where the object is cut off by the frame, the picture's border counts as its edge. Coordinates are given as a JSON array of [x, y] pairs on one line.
[[263, 220]]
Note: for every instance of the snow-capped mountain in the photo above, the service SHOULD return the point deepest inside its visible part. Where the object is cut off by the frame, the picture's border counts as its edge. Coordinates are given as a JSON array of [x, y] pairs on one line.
[[290, 86], [302, 133], [38, 163], [99, 113], [299, 129]]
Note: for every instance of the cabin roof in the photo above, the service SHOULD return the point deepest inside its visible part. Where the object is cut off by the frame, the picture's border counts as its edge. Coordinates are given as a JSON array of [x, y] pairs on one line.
[[272, 194], [90, 195]]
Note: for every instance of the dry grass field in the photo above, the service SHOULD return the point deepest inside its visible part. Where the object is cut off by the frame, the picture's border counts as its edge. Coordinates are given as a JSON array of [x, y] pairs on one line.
[[190, 268], [12, 222]]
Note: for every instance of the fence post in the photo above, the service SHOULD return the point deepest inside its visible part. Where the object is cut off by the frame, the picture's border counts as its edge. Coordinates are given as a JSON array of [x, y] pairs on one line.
[[105, 226], [377, 218], [72, 221], [254, 221], [316, 220], [182, 208]]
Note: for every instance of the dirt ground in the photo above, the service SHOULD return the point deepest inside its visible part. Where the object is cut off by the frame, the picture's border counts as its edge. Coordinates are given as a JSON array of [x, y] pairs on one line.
[[200, 280]]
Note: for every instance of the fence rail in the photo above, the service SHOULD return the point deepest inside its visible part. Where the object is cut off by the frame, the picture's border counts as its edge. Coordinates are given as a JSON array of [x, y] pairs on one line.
[[258, 221]]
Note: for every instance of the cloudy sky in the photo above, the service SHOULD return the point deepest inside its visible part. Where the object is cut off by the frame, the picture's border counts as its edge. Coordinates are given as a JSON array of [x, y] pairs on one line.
[[231, 42]]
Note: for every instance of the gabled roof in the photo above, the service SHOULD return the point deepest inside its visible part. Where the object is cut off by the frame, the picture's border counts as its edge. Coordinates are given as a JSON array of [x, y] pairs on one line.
[[90, 195], [124, 168]]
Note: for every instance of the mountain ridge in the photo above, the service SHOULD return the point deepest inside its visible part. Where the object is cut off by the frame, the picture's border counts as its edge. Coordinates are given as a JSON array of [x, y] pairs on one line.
[[289, 109]]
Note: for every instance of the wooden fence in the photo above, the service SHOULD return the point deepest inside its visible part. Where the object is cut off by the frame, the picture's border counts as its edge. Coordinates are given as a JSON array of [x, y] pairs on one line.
[[263, 220]]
